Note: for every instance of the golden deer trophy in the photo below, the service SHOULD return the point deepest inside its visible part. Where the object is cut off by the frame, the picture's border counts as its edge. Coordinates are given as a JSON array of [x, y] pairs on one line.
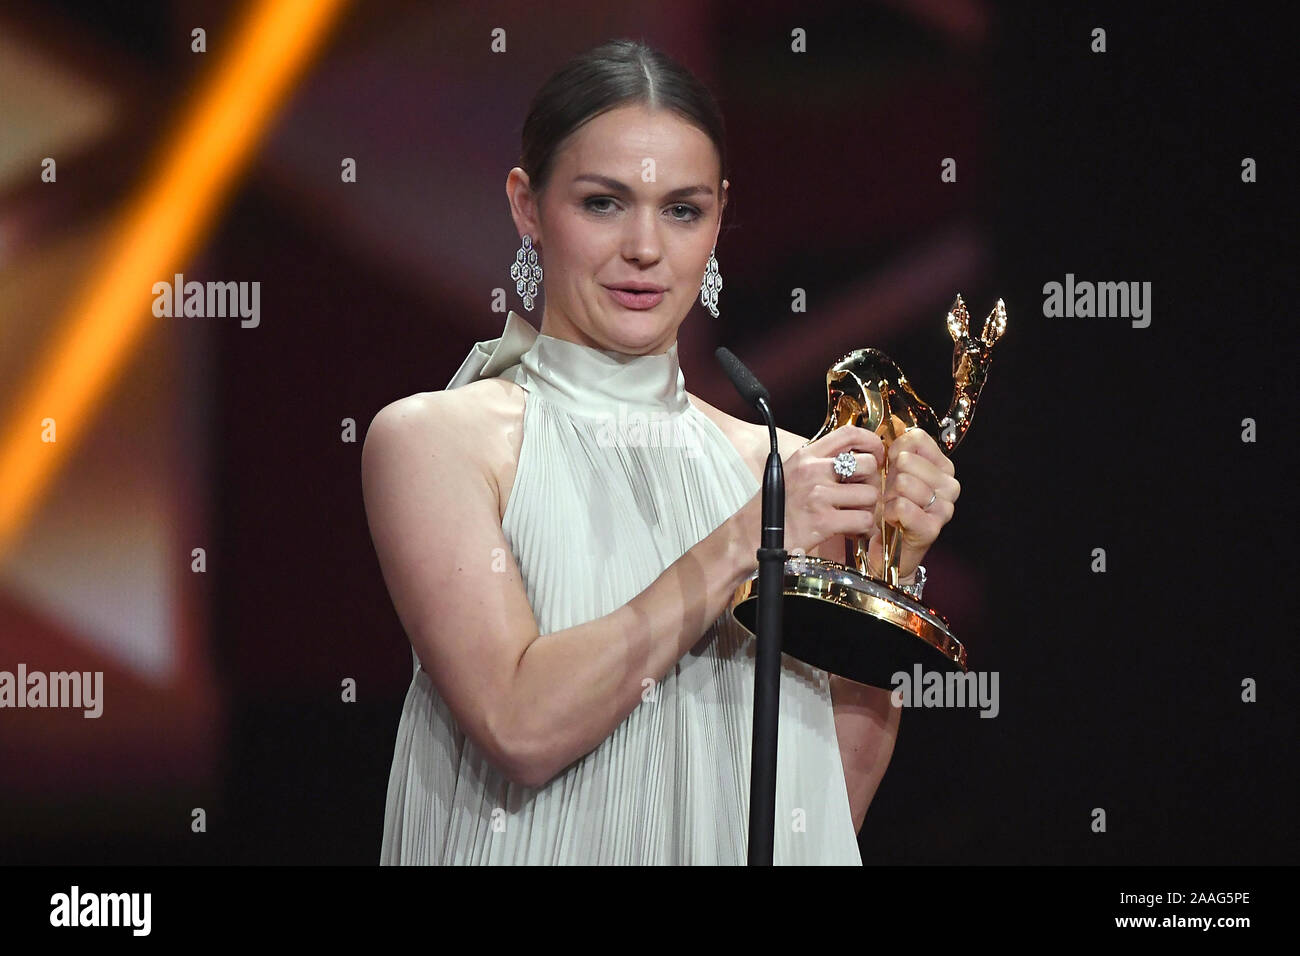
[[840, 617]]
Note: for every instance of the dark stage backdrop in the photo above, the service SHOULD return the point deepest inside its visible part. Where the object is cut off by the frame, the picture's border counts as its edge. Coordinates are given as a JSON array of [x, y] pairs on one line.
[[1119, 689]]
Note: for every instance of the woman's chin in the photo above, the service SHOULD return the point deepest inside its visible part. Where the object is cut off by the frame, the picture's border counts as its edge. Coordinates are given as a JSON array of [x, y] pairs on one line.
[[638, 335], [636, 344]]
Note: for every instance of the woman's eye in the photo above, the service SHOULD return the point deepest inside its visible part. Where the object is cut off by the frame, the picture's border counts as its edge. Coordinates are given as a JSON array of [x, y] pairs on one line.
[[597, 205]]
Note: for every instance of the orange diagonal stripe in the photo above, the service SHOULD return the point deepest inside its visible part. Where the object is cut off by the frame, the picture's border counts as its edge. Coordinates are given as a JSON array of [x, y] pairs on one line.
[[159, 229]]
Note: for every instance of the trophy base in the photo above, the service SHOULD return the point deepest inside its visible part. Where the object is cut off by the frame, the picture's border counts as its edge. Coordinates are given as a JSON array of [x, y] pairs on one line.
[[843, 622]]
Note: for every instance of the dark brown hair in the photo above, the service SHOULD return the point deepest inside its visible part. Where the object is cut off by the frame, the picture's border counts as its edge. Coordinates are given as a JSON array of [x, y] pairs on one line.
[[616, 73]]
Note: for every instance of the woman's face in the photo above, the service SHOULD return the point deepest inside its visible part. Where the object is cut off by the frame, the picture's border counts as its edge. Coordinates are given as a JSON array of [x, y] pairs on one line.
[[632, 199]]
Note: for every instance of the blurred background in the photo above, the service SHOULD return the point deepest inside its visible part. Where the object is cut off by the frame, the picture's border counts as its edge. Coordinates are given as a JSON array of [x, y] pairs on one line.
[[223, 668]]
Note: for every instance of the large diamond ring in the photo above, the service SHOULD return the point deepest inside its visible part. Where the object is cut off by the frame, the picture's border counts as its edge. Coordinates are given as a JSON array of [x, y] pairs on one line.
[[846, 463]]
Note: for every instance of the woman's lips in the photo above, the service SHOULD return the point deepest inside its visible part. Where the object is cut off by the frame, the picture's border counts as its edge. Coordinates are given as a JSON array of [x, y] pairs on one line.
[[635, 300]]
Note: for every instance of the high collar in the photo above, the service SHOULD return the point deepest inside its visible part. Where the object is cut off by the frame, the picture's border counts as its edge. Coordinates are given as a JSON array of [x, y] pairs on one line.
[[582, 379]]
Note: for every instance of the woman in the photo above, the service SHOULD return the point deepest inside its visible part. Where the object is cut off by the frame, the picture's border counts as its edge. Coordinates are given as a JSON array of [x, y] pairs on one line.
[[581, 693]]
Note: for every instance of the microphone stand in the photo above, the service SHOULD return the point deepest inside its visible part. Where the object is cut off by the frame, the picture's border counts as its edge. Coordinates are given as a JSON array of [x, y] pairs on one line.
[[767, 664], [767, 624]]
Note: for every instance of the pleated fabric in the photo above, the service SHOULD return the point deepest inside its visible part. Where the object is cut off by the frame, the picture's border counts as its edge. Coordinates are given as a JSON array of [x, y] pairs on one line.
[[618, 476]]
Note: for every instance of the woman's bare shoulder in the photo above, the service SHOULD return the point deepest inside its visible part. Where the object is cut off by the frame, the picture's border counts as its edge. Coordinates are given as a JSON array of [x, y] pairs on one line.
[[472, 412], [750, 438], [479, 422]]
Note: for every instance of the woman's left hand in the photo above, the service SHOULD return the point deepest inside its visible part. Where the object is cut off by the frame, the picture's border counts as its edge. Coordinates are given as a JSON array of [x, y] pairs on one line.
[[917, 470]]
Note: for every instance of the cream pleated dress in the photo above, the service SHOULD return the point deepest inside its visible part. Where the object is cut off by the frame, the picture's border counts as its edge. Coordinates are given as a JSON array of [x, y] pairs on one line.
[[618, 476]]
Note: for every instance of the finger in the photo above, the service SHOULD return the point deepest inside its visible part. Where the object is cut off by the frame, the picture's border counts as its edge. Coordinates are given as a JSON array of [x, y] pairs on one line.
[[918, 441], [913, 524], [865, 472], [930, 475], [914, 489], [918, 493], [852, 495], [850, 438], [854, 522], [920, 527]]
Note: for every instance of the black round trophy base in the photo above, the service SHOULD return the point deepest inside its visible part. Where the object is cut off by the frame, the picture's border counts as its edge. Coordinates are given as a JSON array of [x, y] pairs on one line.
[[842, 622]]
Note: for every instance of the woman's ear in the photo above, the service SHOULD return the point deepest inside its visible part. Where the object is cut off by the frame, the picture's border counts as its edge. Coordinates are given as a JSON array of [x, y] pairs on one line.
[[523, 204], [721, 209]]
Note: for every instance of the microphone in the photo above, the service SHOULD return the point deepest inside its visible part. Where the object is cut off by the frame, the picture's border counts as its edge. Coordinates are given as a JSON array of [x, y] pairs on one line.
[[767, 661], [749, 387], [752, 391]]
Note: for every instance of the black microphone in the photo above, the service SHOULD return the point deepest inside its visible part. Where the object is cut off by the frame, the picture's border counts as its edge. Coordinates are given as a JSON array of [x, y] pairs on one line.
[[767, 661], [750, 388], [752, 391]]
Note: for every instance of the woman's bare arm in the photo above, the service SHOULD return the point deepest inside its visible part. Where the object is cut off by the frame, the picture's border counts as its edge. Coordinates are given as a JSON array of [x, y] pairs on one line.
[[866, 721], [534, 704], [866, 725]]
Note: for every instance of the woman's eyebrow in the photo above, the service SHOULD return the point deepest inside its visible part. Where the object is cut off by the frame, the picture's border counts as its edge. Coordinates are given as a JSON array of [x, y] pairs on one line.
[[615, 186]]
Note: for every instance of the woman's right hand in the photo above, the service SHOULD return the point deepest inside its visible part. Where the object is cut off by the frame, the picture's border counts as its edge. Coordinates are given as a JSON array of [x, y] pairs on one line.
[[818, 504]]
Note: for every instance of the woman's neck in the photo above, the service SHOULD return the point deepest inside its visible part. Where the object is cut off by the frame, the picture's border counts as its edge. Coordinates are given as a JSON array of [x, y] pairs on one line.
[[561, 327]]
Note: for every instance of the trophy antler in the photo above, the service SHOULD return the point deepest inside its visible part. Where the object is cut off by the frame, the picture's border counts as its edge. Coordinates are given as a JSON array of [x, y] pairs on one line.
[[970, 365]]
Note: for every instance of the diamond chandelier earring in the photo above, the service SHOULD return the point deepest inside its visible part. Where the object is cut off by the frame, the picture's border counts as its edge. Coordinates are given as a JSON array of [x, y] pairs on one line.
[[711, 285], [526, 272]]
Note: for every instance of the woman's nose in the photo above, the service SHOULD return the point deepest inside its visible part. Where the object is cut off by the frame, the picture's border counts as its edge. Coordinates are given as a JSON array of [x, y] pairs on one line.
[[641, 243]]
